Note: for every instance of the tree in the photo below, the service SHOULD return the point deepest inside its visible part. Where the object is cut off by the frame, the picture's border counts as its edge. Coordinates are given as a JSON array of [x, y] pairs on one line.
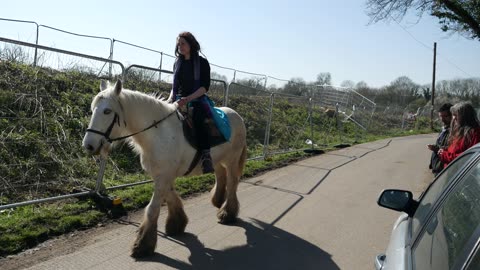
[[295, 86], [460, 16], [401, 91], [361, 85], [347, 84], [426, 93], [252, 82], [324, 78], [217, 76]]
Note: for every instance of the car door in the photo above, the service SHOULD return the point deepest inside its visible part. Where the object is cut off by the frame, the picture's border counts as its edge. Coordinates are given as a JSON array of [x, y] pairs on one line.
[[398, 252], [451, 231], [428, 199]]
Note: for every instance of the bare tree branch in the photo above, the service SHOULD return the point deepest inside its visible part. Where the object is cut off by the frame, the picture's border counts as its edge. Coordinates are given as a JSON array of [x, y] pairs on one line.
[[459, 16]]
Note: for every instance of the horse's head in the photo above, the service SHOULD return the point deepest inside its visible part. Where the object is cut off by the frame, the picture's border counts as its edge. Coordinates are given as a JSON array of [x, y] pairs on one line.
[[105, 122]]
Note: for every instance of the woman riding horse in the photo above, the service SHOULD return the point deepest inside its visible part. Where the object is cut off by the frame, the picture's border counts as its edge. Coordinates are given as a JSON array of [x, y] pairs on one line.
[[191, 81]]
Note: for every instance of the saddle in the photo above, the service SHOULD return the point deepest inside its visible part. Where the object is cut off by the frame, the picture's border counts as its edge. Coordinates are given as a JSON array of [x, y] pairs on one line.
[[215, 137]]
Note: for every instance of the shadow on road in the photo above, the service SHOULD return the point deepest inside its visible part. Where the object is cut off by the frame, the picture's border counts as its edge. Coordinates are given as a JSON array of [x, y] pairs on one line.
[[267, 247]]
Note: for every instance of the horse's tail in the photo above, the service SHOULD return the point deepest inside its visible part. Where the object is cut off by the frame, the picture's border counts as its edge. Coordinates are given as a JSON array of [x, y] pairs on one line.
[[242, 161]]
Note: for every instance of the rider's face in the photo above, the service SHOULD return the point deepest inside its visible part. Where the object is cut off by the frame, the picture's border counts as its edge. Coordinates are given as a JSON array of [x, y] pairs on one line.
[[183, 47]]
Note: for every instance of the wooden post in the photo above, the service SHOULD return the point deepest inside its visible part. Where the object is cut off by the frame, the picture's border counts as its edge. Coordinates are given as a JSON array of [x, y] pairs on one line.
[[433, 83]]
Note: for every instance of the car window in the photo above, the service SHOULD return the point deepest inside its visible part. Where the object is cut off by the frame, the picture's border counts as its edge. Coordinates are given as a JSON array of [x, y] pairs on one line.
[[434, 191], [475, 262], [447, 232]]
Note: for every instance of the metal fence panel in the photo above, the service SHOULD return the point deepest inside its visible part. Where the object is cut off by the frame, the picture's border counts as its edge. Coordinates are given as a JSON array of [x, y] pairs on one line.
[[254, 106], [33, 110], [290, 125]]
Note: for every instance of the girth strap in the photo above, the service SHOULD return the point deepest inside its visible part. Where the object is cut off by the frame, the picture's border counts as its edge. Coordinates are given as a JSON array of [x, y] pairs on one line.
[[194, 163]]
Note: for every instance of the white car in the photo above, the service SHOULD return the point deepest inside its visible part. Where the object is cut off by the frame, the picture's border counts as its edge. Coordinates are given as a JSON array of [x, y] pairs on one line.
[[440, 230]]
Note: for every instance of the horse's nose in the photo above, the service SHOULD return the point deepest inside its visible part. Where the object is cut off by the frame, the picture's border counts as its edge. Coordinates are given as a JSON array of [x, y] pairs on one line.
[[89, 148]]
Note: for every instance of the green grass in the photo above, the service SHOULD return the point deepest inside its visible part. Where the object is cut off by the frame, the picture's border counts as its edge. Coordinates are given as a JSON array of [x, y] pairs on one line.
[[26, 227]]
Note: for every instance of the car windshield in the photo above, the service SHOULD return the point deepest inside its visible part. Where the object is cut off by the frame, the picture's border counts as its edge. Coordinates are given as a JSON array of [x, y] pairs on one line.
[[434, 191]]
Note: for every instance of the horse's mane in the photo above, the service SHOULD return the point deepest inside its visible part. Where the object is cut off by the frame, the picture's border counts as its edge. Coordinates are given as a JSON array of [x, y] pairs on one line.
[[152, 100]]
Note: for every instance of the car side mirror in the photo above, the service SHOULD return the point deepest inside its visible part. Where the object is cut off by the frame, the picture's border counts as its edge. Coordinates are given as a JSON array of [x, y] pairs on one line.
[[398, 200]]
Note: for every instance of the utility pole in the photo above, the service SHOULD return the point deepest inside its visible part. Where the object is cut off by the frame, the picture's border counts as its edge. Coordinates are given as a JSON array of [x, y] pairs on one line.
[[433, 83]]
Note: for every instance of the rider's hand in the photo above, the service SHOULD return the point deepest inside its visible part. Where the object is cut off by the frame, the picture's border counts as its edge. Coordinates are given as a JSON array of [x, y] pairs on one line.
[[433, 147], [183, 101]]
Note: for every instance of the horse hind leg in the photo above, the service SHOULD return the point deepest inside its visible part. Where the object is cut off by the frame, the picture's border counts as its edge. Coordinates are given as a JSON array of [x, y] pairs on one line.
[[218, 190], [177, 219], [229, 211]]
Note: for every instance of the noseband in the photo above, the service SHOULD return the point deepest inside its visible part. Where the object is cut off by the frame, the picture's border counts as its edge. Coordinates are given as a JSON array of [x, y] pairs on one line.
[[106, 134]]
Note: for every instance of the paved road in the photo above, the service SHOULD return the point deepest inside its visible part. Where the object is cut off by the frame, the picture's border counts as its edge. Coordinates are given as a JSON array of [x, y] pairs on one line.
[[319, 213]]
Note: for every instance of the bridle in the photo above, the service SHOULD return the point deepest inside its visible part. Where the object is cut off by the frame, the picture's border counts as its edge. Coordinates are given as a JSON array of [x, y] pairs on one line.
[[116, 118]]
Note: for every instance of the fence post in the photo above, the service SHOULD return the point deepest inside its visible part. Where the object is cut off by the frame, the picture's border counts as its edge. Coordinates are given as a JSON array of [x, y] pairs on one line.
[[357, 136], [112, 43], [101, 172], [225, 94], [337, 122], [36, 49], [160, 73], [310, 115], [266, 140]]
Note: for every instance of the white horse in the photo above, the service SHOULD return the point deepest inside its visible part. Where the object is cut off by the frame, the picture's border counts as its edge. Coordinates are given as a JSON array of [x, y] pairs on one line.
[[155, 133]]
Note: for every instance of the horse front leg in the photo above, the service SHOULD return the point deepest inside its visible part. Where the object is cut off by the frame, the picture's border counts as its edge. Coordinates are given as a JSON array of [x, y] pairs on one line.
[[177, 219], [146, 240]]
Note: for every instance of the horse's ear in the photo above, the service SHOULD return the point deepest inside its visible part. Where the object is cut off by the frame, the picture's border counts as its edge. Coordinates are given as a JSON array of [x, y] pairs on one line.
[[103, 85], [118, 87]]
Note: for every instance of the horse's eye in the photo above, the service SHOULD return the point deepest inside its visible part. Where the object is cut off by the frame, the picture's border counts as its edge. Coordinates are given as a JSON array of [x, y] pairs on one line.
[[107, 111]]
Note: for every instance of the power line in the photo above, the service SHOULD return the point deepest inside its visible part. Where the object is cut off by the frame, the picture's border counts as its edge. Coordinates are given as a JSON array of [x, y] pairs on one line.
[[430, 48]]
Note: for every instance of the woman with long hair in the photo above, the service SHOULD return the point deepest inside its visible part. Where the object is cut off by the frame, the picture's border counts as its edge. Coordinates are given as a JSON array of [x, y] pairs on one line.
[[465, 132], [191, 80]]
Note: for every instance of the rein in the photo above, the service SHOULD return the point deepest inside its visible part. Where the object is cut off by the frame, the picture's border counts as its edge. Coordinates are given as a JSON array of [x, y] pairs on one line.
[[106, 134]]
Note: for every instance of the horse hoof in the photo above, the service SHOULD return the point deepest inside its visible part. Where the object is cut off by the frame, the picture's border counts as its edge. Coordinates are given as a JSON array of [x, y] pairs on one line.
[[174, 230], [141, 252], [145, 243], [217, 203], [176, 224], [225, 218]]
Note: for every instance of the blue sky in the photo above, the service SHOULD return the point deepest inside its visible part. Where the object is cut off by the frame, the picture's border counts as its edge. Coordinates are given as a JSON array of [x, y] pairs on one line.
[[282, 39]]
